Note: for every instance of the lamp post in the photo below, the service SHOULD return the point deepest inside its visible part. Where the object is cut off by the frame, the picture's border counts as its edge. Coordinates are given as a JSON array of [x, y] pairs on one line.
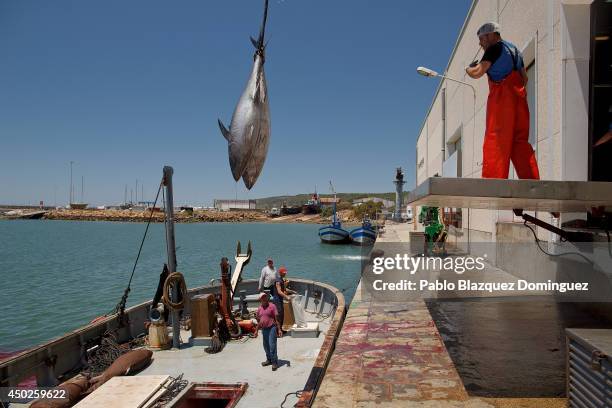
[[432, 74]]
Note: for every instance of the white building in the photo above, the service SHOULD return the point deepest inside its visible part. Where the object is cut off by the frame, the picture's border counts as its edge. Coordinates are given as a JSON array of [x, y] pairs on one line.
[[385, 203], [226, 205], [567, 51]]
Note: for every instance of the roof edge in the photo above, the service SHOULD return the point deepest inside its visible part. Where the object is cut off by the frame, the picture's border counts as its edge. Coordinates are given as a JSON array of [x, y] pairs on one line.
[[450, 59]]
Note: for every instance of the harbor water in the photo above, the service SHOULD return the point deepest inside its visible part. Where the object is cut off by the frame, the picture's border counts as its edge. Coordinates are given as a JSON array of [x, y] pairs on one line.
[[59, 275]]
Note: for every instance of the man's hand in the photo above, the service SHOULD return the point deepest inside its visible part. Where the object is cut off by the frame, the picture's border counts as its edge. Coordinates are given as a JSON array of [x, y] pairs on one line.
[[279, 332], [477, 70]]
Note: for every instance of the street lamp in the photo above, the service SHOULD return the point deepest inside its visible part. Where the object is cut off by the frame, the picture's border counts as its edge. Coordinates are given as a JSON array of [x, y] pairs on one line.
[[432, 74]]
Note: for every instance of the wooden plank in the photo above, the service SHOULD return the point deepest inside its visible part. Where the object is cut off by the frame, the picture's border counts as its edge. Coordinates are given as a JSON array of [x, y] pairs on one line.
[[498, 194], [124, 392]]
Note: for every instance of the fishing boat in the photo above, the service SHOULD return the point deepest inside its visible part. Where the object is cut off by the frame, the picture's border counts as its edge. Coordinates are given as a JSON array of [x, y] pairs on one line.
[[312, 206], [364, 235], [78, 206], [334, 233], [24, 215], [187, 347], [289, 210]]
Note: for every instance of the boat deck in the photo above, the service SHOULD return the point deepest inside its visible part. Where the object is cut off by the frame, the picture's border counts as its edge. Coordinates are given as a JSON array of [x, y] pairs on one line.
[[303, 359], [241, 362]]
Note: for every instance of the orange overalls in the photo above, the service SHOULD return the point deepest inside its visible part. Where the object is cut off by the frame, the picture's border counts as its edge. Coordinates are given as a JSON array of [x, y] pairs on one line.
[[507, 131]]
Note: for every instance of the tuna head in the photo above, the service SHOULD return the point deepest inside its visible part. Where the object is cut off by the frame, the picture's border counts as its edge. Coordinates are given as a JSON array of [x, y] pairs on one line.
[[249, 133]]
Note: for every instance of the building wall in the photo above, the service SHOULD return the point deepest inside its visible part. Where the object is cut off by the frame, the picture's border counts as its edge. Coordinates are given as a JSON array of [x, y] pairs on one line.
[[225, 205], [555, 35]]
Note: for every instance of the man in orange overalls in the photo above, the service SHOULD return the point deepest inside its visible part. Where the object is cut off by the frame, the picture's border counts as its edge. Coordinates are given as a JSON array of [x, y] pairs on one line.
[[507, 130]]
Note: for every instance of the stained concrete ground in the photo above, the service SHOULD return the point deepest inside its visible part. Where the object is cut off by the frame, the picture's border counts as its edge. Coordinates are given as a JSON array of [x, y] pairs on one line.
[[391, 354]]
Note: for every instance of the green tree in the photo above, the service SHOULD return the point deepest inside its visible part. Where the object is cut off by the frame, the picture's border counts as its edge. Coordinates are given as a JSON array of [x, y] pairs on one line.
[[369, 208]]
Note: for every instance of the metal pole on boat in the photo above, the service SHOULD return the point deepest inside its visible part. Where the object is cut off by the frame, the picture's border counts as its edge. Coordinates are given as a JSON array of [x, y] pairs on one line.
[[176, 330]]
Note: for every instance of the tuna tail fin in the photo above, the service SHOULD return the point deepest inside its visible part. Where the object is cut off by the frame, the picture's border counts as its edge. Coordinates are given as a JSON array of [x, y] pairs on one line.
[[226, 133], [259, 44]]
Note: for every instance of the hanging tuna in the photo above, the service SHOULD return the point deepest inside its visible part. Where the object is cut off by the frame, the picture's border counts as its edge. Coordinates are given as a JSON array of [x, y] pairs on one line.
[[249, 133]]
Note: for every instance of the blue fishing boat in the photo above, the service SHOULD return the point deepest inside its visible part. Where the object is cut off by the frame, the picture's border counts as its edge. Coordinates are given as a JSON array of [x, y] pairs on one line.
[[334, 233], [364, 235]]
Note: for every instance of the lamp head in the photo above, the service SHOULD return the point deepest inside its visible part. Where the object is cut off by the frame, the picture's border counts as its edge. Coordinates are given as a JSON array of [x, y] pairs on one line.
[[427, 72]]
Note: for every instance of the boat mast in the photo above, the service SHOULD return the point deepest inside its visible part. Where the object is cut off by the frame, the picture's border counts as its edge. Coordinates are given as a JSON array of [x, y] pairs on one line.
[[70, 194], [331, 186], [176, 330]]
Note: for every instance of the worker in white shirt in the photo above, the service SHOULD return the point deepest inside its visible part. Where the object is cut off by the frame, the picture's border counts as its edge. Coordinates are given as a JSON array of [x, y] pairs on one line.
[[268, 277]]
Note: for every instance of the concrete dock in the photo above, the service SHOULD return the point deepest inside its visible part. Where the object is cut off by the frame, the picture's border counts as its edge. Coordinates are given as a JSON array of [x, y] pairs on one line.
[[391, 354]]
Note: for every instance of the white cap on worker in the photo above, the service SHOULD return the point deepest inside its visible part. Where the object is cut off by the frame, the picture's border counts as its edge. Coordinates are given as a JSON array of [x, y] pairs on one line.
[[262, 294], [488, 28]]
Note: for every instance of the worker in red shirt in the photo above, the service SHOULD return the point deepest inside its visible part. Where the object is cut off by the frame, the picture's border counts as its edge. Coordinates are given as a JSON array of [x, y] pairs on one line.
[[507, 127]]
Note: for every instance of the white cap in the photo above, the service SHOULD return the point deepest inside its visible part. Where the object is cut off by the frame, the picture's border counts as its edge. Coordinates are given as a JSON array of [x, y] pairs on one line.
[[262, 294], [488, 28]]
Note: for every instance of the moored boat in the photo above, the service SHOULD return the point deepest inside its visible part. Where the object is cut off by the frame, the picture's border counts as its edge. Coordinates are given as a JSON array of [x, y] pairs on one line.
[[312, 206], [364, 235], [78, 206], [214, 358], [238, 361], [334, 233]]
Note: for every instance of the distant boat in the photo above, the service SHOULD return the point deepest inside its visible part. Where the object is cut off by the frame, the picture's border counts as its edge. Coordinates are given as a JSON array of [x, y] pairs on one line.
[[334, 233], [286, 210], [364, 235], [24, 215], [312, 206], [78, 206]]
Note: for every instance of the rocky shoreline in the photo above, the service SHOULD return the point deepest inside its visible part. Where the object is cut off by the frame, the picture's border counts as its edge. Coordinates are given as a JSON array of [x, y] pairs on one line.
[[157, 216], [185, 216], [182, 216]]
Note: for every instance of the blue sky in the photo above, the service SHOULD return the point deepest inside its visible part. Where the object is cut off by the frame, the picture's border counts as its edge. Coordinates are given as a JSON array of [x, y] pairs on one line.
[[123, 88]]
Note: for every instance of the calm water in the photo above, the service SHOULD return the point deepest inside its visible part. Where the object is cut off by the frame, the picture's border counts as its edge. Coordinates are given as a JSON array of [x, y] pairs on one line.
[[58, 275]]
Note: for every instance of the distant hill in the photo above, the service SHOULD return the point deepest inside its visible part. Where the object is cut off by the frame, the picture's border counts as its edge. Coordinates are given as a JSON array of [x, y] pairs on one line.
[[300, 199]]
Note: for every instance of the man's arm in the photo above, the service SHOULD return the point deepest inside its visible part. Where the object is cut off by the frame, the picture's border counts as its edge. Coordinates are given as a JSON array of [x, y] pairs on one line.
[[280, 291], [279, 329], [478, 70]]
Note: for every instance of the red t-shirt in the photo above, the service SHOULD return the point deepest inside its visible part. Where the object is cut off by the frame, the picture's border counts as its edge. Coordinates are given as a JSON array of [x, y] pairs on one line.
[[266, 317]]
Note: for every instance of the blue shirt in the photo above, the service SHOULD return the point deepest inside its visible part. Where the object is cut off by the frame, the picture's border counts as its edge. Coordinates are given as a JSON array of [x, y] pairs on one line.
[[504, 57]]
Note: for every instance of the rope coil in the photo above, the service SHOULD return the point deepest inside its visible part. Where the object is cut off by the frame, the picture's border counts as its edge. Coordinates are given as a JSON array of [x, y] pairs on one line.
[[175, 278]]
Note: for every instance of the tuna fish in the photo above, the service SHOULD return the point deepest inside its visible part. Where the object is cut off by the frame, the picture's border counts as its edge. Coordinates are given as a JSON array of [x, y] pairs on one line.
[[249, 133]]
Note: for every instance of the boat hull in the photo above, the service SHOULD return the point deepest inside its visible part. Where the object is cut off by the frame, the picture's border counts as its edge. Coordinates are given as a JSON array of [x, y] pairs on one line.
[[310, 209], [333, 235], [363, 236]]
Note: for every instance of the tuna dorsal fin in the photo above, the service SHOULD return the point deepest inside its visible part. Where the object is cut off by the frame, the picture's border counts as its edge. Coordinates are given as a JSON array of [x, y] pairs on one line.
[[226, 133], [254, 42]]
